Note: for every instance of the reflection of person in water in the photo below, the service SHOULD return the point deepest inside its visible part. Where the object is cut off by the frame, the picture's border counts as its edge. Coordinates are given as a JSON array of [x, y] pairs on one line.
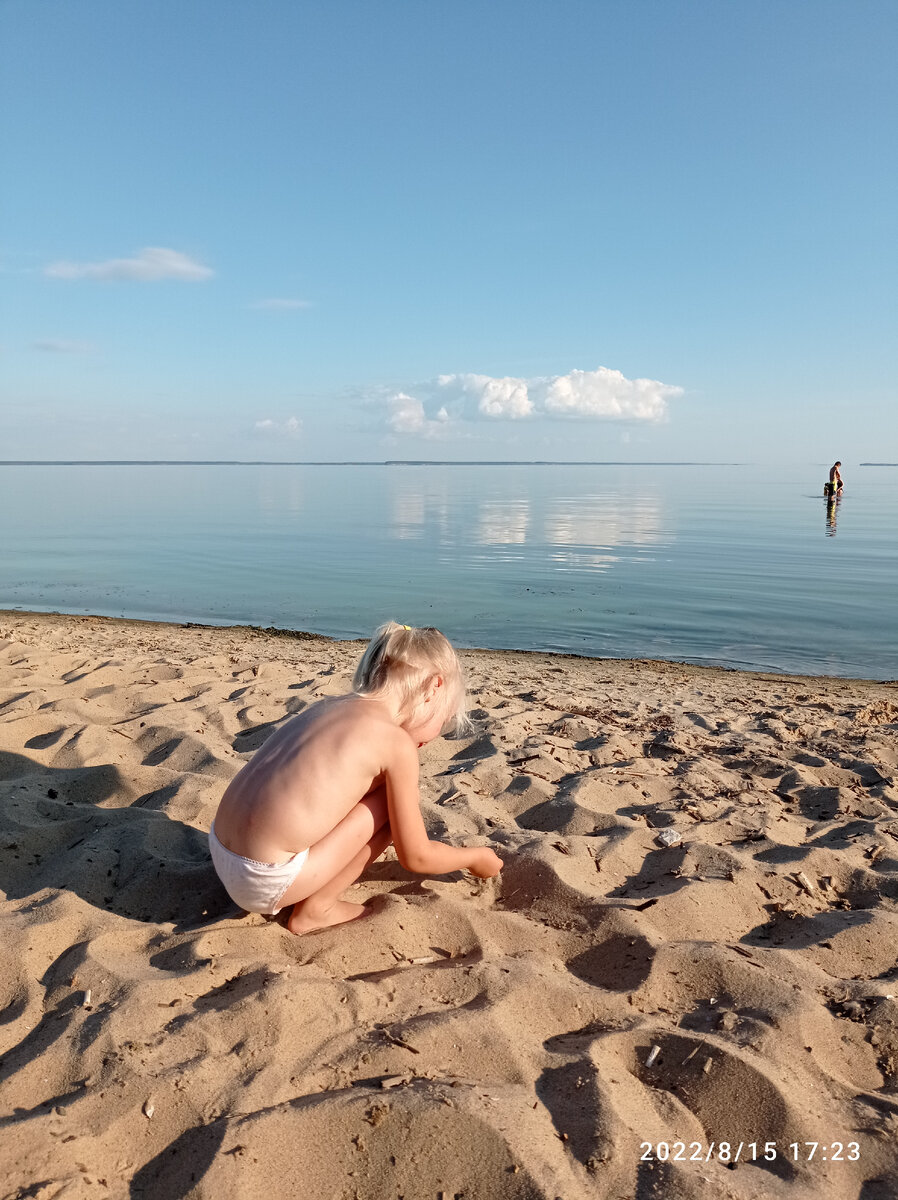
[[832, 508], [834, 486]]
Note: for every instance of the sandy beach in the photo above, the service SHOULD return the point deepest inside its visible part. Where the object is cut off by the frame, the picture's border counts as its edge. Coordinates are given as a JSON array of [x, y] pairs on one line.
[[613, 1016]]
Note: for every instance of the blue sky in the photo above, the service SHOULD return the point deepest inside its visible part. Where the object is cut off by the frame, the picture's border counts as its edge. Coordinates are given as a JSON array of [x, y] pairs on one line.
[[368, 229]]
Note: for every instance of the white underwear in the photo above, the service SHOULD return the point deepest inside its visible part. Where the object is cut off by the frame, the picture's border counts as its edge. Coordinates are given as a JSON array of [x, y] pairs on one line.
[[254, 886]]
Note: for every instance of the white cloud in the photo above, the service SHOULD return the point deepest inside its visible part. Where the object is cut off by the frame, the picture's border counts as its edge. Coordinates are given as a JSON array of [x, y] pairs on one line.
[[607, 394], [280, 305], [150, 264], [291, 427], [61, 346], [407, 416], [599, 395], [494, 397]]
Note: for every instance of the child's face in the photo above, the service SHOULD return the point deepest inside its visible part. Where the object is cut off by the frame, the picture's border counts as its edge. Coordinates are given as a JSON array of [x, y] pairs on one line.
[[428, 727], [433, 720]]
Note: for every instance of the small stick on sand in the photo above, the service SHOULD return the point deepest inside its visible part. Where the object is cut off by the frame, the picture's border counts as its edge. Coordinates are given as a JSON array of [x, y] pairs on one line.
[[803, 882]]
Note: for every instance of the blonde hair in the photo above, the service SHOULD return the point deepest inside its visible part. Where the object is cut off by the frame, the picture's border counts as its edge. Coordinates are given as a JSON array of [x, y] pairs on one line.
[[400, 661]]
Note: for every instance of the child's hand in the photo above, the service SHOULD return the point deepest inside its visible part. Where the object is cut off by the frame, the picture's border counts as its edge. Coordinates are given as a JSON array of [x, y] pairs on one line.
[[484, 863]]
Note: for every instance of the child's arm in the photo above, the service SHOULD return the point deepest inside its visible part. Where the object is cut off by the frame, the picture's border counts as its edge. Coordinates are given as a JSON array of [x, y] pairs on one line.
[[416, 851]]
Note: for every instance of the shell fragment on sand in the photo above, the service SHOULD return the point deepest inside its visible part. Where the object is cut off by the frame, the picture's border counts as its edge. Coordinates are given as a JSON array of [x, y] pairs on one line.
[[669, 837]]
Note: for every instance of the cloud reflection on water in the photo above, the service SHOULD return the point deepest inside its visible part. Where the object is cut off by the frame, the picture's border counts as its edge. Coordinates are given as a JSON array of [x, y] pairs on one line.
[[564, 533]]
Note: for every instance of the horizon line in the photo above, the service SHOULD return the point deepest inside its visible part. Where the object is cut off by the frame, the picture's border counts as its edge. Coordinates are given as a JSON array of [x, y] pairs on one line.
[[390, 462]]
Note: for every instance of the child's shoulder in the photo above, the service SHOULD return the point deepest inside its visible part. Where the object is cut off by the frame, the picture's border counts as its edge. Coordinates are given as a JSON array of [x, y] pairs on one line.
[[360, 712], [372, 720]]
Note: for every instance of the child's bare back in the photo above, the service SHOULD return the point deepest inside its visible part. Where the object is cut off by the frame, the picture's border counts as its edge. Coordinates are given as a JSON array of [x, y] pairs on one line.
[[306, 778], [337, 783]]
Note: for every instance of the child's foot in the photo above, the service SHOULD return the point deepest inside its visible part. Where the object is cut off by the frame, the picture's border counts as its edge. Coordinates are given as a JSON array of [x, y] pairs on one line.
[[303, 920]]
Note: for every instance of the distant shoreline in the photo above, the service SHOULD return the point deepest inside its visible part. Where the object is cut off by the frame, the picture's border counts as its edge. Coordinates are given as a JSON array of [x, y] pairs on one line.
[[398, 462], [390, 462]]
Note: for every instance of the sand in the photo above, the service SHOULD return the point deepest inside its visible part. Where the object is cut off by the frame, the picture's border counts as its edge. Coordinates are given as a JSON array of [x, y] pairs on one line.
[[517, 1037]]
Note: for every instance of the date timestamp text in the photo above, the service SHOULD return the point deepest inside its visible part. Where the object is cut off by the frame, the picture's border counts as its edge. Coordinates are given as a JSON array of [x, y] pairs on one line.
[[734, 1152]]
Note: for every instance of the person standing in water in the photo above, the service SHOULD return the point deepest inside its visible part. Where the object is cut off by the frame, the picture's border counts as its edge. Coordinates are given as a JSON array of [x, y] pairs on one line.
[[835, 480]]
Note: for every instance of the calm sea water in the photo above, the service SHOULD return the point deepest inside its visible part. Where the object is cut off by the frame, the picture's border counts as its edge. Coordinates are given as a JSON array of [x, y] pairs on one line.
[[738, 566]]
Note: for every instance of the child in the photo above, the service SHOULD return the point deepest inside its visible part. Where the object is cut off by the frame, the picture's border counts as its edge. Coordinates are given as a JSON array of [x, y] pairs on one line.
[[338, 782]]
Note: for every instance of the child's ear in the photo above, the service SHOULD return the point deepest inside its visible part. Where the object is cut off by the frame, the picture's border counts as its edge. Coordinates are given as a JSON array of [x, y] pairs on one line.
[[434, 685]]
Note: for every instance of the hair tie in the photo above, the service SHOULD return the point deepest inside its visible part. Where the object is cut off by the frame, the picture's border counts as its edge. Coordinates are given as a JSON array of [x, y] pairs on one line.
[[406, 626]]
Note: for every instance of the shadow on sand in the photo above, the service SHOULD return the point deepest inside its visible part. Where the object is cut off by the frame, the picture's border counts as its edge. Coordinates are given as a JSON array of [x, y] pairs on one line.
[[135, 861]]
